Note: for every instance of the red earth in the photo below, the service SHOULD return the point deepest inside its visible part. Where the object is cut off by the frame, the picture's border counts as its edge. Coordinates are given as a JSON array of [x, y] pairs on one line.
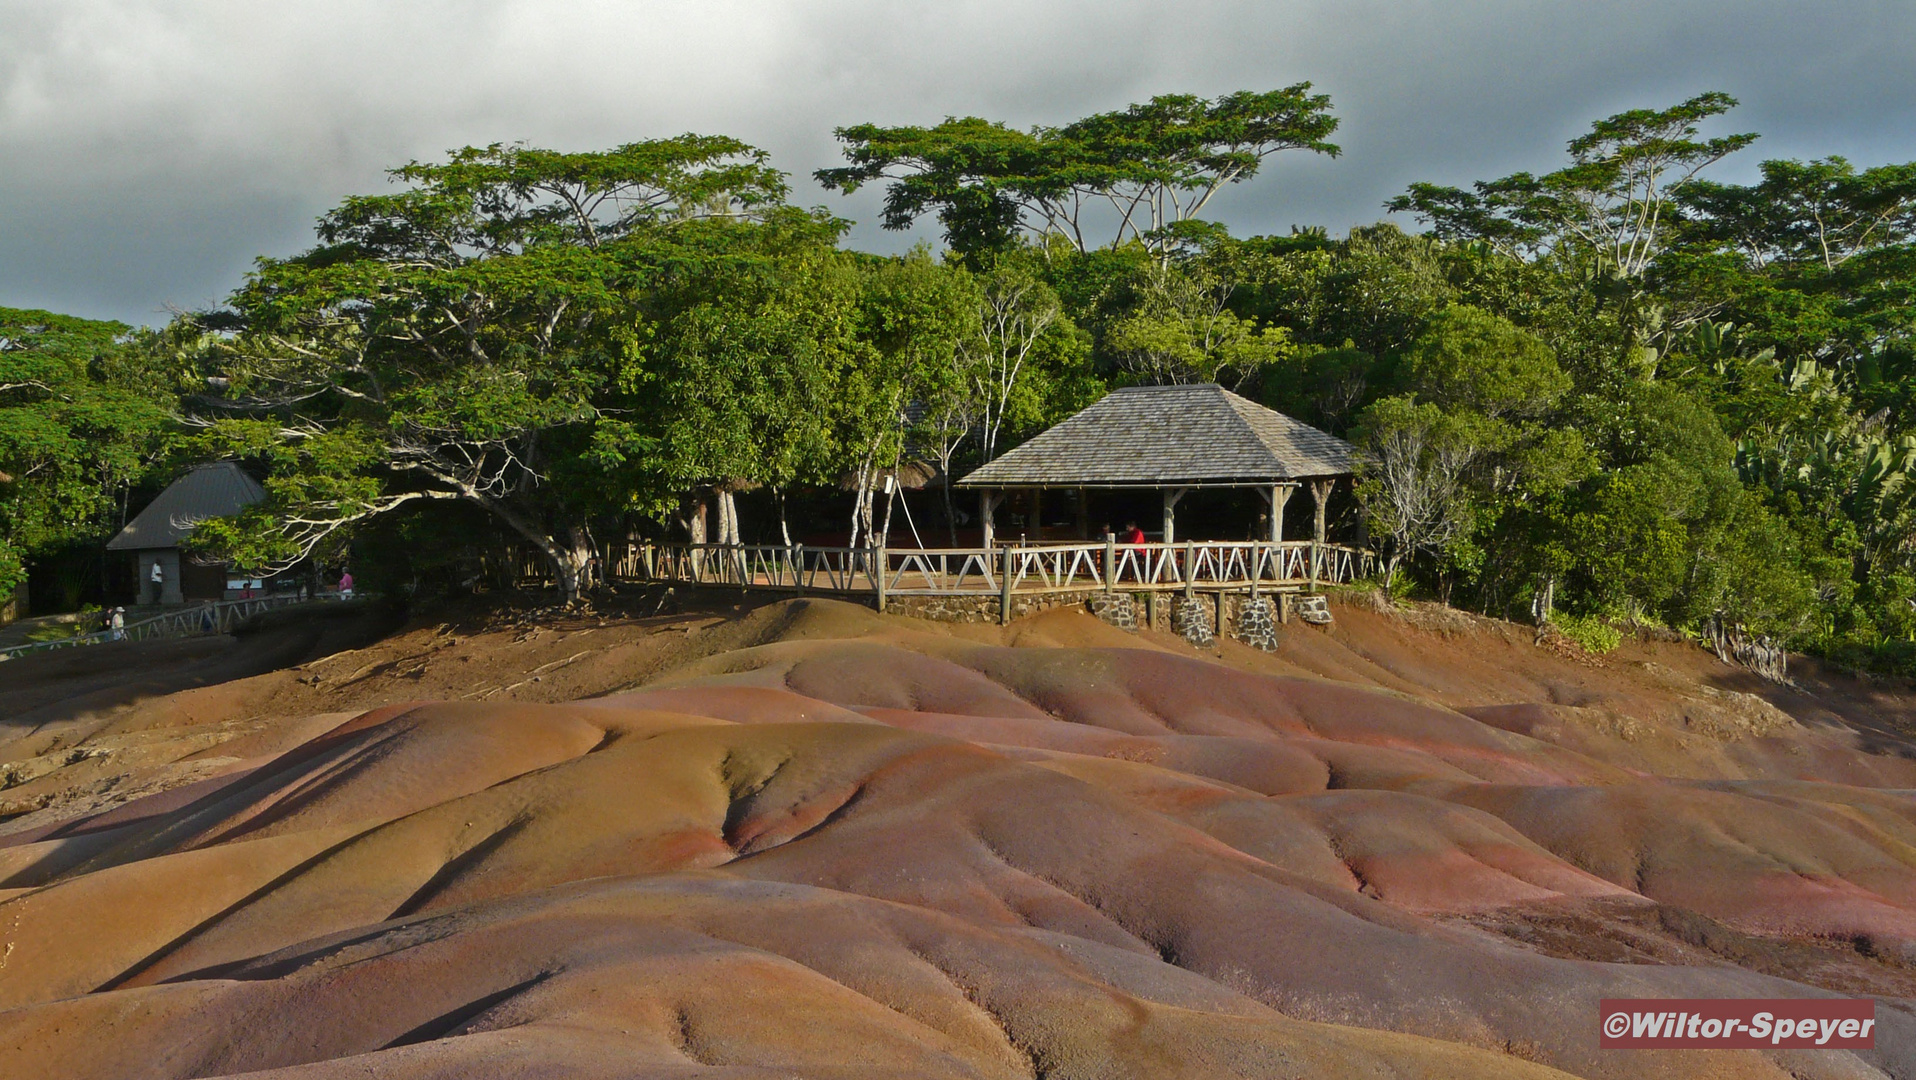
[[808, 840]]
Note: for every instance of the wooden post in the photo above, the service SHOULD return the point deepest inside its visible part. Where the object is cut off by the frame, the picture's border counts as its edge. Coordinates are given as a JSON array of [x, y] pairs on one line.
[[1320, 504], [1280, 494], [878, 575], [1037, 515], [1171, 497], [1190, 568], [1084, 516], [1004, 590], [1110, 562], [798, 569], [987, 503]]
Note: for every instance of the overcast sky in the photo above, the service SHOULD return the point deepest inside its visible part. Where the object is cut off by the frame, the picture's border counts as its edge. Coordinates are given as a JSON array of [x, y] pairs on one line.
[[151, 149]]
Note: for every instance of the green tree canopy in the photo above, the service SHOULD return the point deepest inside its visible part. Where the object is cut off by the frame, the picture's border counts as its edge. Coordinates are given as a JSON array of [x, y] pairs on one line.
[[1612, 200], [83, 416], [1145, 168], [457, 340], [1469, 359]]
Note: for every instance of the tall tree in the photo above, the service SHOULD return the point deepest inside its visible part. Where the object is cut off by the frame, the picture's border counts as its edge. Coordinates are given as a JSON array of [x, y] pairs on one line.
[[1016, 312], [1181, 330], [1821, 213], [740, 378], [455, 340], [920, 320], [82, 417], [1613, 200], [1137, 173]]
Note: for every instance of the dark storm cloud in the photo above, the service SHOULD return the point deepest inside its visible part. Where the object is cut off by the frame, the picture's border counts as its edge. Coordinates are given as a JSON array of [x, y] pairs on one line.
[[150, 150]]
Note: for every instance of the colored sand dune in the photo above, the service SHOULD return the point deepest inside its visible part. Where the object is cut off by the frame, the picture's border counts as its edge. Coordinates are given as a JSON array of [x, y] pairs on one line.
[[816, 842]]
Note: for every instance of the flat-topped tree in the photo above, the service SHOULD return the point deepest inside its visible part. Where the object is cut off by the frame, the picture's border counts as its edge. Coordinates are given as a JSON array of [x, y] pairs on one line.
[[457, 340], [1137, 172], [1805, 213], [1613, 200]]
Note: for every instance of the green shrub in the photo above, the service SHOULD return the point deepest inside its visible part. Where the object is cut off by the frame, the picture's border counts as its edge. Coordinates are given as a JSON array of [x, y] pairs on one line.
[[1595, 634], [87, 623]]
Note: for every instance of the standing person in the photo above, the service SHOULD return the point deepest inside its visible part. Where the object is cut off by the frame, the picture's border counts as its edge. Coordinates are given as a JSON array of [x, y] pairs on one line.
[[345, 584], [1133, 536], [158, 578], [116, 623]]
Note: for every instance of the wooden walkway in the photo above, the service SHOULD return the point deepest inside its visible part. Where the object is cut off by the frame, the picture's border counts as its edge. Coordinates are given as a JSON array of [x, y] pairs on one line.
[[212, 617], [881, 573]]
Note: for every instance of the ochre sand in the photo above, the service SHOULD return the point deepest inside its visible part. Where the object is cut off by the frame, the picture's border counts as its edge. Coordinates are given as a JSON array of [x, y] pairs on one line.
[[808, 840]]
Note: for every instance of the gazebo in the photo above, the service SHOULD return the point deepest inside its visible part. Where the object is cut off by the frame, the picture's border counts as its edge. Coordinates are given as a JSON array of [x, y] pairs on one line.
[[1172, 439], [217, 490]]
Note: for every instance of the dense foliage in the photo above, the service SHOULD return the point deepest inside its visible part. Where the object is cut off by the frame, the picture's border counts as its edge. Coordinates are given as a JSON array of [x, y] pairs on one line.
[[83, 415], [1619, 388]]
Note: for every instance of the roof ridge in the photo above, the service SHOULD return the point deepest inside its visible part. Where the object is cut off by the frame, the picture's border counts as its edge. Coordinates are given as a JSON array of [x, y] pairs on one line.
[[1210, 433], [210, 489]]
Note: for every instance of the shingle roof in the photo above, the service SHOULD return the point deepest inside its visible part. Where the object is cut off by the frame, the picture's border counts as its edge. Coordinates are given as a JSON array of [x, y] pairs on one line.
[[1150, 436], [216, 490]]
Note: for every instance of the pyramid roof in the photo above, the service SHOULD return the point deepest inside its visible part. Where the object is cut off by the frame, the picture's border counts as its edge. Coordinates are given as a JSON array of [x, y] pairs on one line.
[[217, 490], [1166, 436]]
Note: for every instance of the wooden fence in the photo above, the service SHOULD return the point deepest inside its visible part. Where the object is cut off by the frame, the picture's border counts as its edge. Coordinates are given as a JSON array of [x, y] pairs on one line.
[[213, 617], [1291, 566]]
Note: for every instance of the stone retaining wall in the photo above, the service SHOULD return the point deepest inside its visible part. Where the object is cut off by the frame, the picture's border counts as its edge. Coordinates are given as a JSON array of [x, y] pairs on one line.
[[982, 608], [1199, 618]]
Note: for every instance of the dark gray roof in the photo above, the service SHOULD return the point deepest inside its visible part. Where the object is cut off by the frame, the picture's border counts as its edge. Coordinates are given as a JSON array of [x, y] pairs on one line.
[[216, 490], [1150, 436]]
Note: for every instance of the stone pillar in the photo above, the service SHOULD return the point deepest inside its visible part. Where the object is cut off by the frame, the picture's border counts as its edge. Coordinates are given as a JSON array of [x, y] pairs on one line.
[[168, 590], [1191, 620]]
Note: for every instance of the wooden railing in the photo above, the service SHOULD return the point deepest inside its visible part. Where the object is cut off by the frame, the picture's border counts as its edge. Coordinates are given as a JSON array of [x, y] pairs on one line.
[[213, 617], [1051, 567]]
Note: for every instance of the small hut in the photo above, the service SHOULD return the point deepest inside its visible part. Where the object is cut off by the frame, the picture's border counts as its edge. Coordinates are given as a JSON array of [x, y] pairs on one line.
[[217, 490], [1172, 439]]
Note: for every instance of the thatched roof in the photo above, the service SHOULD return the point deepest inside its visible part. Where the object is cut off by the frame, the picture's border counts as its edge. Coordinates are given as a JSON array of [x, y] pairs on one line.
[[912, 476], [216, 490], [1164, 436]]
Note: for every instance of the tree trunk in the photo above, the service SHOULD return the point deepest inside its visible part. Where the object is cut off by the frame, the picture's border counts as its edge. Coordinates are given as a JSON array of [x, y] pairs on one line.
[[951, 511], [695, 523], [883, 535], [728, 523], [569, 558], [861, 501], [573, 563], [784, 528]]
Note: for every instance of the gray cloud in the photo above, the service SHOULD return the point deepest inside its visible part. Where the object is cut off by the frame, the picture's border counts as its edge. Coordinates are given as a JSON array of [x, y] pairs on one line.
[[150, 150]]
